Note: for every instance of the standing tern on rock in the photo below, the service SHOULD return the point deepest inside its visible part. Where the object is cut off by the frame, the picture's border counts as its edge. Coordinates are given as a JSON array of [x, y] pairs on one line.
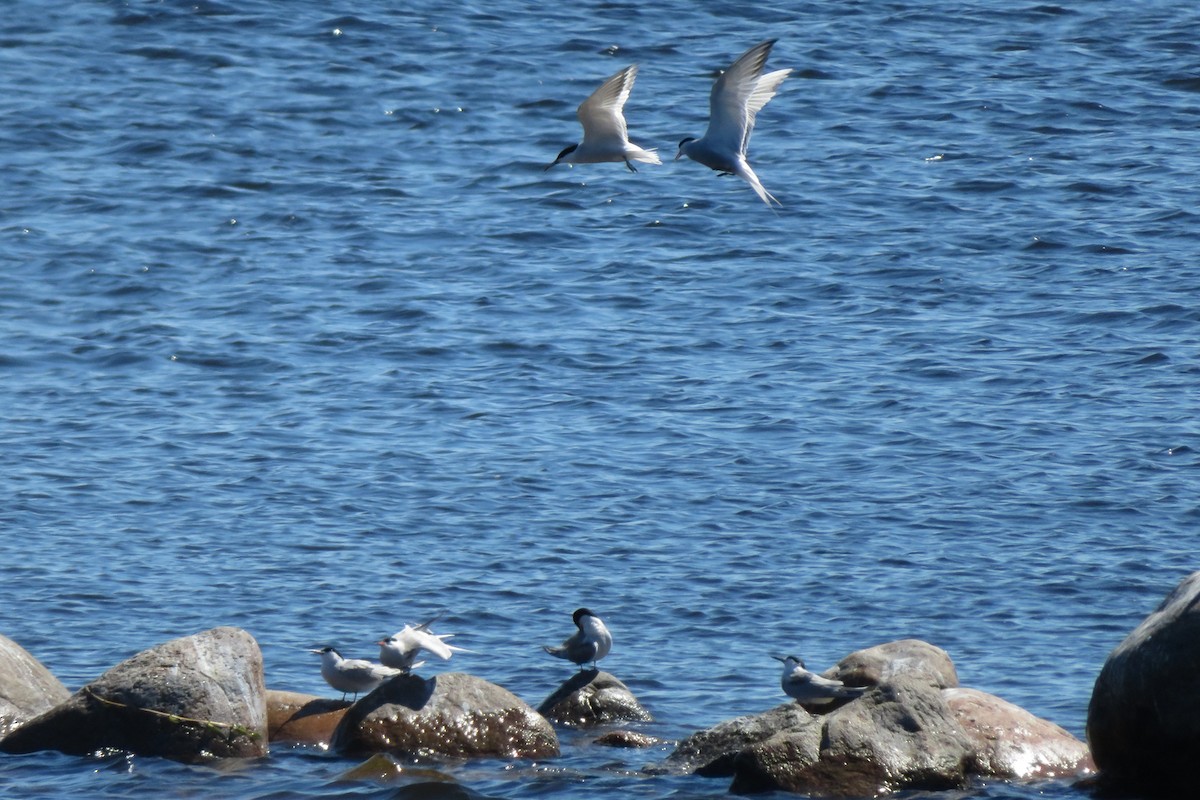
[[590, 643], [808, 687], [605, 137], [400, 650], [351, 674], [737, 97]]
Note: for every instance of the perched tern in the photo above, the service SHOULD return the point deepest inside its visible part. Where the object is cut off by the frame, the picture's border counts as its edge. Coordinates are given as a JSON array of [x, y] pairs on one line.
[[351, 674], [605, 137], [590, 643], [400, 650], [737, 97], [808, 687]]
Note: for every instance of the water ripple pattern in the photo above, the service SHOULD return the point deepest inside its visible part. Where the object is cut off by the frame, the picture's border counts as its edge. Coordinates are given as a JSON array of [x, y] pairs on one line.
[[300, 337]]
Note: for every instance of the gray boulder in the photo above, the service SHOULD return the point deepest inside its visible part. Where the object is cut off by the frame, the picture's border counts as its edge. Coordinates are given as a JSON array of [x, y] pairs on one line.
[[1144, 717], [1012, 743], [27, 688], [711, 752], [192, 699], [592, 697], [451, 715], [897, 736]]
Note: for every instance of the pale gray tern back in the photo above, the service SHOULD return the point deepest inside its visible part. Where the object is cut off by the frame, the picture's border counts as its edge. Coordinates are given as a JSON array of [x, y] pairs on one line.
[[351, 674], [808, 687], [590, 643], [400, 650], [605, 137], [737, 97]]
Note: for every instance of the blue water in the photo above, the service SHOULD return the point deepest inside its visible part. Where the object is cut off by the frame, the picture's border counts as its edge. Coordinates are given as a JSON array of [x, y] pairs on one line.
[[298, 336]]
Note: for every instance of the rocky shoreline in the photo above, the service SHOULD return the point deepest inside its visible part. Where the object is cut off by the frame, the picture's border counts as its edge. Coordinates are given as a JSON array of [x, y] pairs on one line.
[[203, 697]]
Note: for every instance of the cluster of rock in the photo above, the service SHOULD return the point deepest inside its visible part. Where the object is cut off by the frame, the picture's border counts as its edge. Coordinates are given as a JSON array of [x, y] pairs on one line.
[[915, 729], [203, 697]]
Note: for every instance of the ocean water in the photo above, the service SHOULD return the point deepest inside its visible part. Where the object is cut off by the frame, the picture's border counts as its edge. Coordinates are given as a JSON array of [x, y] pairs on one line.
[[300, 337]]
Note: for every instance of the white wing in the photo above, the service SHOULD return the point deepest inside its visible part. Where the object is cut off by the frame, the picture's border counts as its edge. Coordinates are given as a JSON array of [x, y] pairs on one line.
[[738, 95], [601, 115]]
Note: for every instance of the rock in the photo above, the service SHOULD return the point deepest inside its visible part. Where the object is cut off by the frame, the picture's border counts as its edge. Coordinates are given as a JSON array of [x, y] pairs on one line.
[[1143, 722], [27, 688], [381, 768], [592, 697], [302, 718], [882, 663], [192, 699], [900, 735], [628, 739], [909, 732], [711, 752], [1012, 743], [453, 715]]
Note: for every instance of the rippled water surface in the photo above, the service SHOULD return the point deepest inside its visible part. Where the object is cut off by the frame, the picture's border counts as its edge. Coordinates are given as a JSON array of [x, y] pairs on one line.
[[298, 336]]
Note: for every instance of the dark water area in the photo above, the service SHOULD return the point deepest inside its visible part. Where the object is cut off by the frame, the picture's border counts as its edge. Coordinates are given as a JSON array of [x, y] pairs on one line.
[[300, 337]]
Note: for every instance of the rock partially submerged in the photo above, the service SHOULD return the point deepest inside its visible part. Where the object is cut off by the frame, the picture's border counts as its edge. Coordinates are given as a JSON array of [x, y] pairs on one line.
[[451, 715], [592, 697], [27, 688], [1144, 717], [192, 699], [908, 732]]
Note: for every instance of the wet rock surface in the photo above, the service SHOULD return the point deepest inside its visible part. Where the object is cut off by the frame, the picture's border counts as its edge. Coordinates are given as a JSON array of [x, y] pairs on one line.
[[27, 688], [193, 699], [452, 715], [592, 697]]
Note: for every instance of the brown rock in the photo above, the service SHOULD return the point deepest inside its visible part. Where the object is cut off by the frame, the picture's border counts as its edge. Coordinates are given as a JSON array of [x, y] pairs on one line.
[[1012, 743], [592, 697], [885, 662], [27, 688], [628, 739], [192, 699], [454, 715], [302, 718]]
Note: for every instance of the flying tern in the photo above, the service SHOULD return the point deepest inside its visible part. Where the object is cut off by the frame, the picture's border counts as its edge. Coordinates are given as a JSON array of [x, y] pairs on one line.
[[351, 674], [808, 687], [590, 643], [737, 97], [605, 137]]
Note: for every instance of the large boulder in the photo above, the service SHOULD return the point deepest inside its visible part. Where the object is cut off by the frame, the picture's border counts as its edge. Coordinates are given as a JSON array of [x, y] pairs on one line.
[[1012, 743], [1144, 717], [898, 736], [592, 697], [27, 688], [452, 715], [192, 699], [305, 719]]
